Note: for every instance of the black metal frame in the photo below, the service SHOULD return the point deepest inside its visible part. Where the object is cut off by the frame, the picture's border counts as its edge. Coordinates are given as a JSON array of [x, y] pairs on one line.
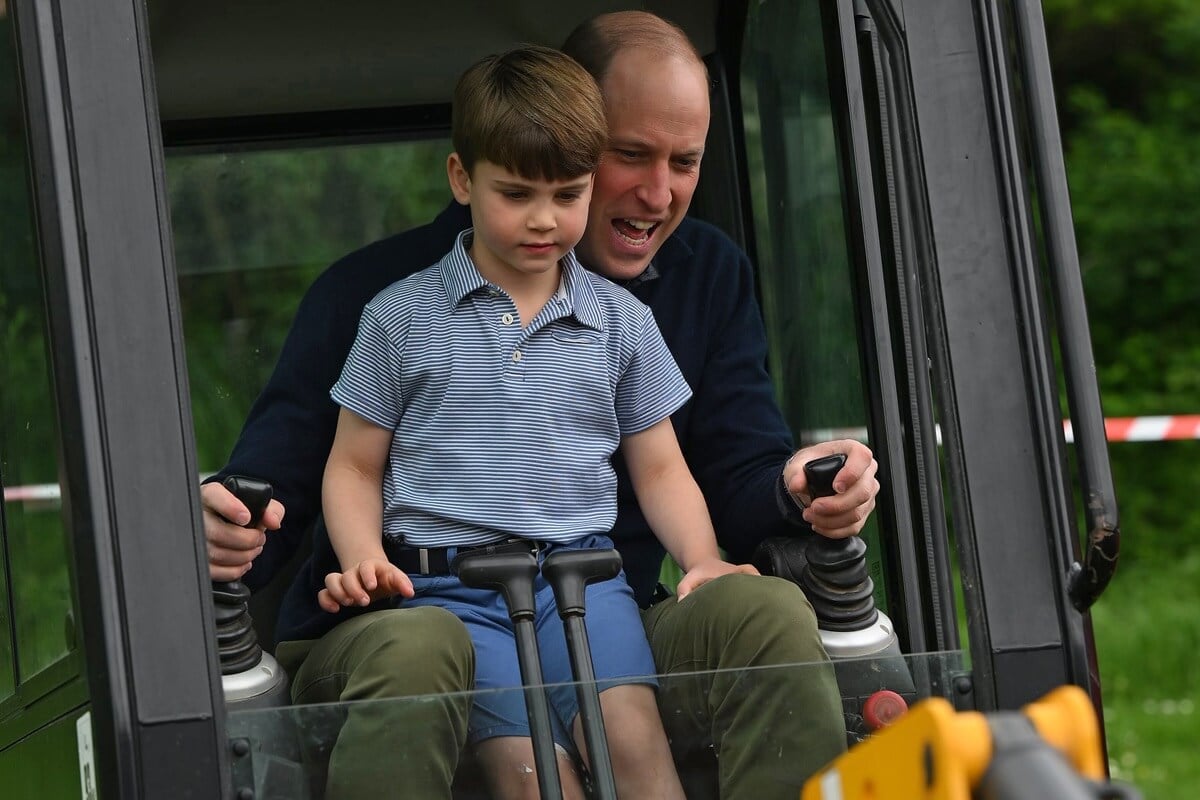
[[997, 360], [938, 181], [129, 473], [869, 230]]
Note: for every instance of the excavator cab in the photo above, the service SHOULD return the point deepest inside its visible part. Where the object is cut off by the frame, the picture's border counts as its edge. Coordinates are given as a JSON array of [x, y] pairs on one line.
[[177, 174]]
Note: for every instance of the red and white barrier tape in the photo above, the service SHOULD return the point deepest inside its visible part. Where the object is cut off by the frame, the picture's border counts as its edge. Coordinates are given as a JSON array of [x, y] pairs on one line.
[[1117, 429], [1147, 429]]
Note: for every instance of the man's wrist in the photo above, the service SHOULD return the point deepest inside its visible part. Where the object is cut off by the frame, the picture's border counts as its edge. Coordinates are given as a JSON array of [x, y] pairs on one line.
[[791, 507]]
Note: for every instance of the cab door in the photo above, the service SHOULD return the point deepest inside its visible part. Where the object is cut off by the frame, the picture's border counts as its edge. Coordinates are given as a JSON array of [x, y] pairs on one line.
[[128, 704], [946, 120], [888, 167]]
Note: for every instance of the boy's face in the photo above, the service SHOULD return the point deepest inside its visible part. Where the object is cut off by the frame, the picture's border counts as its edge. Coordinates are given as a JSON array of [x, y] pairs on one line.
[[522, 226]]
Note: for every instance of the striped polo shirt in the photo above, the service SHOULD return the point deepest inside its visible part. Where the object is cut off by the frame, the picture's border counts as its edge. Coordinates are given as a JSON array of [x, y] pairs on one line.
[[500, 430]]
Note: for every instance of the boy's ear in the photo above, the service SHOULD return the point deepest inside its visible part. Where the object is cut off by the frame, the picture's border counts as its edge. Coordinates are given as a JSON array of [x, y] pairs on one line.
[[460, 179]]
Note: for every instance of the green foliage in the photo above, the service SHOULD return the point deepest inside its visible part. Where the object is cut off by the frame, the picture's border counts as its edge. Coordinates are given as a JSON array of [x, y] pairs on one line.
[[1134, 193], [1132, 158], [1126, 75], [252, 231]]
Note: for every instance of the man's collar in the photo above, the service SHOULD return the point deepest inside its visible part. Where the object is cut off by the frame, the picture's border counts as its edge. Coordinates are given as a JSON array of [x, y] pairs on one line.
[[673, 252], [648, 274]]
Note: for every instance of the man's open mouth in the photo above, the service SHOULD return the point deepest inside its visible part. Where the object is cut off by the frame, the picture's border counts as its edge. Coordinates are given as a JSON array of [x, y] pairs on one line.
[[634, 231]]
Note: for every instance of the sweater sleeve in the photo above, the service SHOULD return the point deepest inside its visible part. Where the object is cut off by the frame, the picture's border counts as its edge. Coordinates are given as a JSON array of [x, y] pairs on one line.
[[737, 440]]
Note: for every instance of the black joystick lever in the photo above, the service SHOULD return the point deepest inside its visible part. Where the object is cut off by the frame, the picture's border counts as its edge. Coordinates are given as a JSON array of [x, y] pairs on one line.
[[513, 574], [568, 573], [250, 677], [836, 578], [237, 642], [872, 674]]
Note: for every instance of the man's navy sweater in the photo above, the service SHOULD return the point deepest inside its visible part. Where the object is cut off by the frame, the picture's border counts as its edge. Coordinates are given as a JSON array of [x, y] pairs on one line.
[[731, 431]]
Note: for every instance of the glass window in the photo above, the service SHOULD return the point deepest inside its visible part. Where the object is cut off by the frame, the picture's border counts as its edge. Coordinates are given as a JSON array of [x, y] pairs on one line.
[[333, 745], [804, 264], [252, 229], [35, 546]]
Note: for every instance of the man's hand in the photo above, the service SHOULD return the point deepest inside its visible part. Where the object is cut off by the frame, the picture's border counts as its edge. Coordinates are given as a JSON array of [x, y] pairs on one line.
[[706, 571], [845, 513], [370, 580], [232, 548]]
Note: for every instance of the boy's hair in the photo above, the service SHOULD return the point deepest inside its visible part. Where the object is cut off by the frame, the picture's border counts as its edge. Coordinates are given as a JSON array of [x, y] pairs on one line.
[[596, 41], [533, 111]]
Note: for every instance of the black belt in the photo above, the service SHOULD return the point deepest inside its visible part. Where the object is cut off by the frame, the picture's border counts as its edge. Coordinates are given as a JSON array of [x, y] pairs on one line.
[[434, 560]]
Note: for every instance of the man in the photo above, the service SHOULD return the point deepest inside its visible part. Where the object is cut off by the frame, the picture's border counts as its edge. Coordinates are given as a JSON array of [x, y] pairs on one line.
[[770, 728]]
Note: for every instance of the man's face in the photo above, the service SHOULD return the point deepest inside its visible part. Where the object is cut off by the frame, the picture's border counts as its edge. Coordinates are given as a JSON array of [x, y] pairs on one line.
[[657, 121]]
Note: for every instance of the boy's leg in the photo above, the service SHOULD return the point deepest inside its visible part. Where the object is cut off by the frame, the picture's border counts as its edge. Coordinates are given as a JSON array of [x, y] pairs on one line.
[[641, 756], [508, 764], [380, 655], [771, 728], [498, 728]]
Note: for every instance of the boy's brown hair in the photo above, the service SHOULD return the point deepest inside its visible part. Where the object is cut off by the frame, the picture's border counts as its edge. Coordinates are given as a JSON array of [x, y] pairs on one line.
[[533, 111]]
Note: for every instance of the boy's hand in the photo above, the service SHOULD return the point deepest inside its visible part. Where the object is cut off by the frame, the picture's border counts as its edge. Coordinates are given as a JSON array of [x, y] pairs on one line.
[[370, 580], [708, 569]]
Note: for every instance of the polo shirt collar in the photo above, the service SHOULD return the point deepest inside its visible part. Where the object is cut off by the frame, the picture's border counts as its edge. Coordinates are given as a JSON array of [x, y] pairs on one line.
[[460, 278]]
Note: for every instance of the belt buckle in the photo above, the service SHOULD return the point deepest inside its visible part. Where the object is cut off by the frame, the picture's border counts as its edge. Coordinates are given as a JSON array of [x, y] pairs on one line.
[[533, 545]]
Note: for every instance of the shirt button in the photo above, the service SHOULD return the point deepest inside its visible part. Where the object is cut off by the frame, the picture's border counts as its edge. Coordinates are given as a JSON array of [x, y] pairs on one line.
[[507, 319], [517, 355]]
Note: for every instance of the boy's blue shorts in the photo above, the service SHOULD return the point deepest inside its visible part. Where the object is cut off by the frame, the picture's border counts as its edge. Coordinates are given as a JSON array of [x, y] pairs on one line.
[[620, 652]]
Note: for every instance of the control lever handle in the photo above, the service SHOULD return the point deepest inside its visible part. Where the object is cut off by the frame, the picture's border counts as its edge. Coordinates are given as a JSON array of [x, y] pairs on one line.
[[249, 676], [569, 572], [513, 575]]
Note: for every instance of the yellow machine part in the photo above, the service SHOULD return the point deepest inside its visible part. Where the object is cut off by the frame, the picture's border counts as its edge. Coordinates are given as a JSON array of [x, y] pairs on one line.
[[933, 752]]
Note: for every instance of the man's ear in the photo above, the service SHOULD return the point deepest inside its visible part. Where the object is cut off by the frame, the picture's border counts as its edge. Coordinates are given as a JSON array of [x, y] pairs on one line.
[[460, 179]]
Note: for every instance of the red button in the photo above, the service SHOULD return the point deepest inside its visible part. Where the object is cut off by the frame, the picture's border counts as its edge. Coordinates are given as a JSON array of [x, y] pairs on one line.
[[883, 708]]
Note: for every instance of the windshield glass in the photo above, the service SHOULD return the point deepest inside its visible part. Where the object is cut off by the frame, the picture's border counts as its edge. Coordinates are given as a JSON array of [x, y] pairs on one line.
[[298, 751]]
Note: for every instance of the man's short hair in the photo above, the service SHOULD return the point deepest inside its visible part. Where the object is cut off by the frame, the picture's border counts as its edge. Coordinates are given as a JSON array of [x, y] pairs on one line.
[[533, 111], [595, 42]]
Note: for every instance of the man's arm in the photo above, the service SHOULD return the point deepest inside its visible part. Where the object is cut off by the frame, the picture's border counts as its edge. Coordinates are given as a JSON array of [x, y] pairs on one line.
[[736, 440]]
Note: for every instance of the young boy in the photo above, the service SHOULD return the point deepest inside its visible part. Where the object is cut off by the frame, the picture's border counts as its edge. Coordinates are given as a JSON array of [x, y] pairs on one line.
[[483, 400]]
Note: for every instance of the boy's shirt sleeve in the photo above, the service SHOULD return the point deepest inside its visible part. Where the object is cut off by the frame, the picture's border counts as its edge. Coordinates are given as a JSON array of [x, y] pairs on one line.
[[371, 381], [650, 387]]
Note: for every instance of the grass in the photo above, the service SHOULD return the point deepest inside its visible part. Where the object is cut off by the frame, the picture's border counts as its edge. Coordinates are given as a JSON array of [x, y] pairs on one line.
[[1148, 639]]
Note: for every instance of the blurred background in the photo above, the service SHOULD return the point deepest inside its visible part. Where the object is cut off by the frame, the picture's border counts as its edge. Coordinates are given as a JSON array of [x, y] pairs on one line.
[[1127, 80]]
